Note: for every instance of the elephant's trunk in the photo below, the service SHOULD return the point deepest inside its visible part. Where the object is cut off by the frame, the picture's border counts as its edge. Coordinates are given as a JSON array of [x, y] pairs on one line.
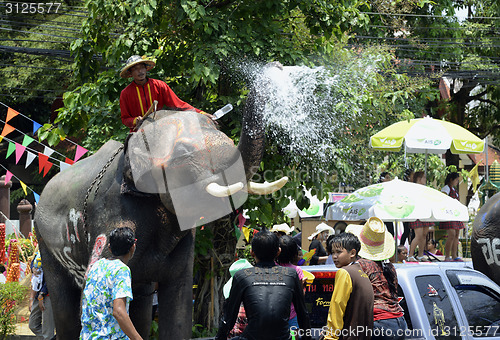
[[252, 139]]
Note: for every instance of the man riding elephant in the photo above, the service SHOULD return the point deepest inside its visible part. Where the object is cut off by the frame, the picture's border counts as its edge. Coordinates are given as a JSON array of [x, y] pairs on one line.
[[139, 95]]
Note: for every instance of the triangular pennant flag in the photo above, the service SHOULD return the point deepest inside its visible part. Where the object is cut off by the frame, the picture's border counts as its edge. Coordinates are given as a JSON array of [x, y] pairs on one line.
[[11, 149], [11, 113], [80, 151], [37, 197], [1, 137], [29, 158], [27, 140], [69, 161], [36, 126], [47, 167], [246, 232], [241, 220], [237, 232], [47, 151], [19, 152], [63, 165], [24, 188], [42, 160], [7, 129], [8, 176]]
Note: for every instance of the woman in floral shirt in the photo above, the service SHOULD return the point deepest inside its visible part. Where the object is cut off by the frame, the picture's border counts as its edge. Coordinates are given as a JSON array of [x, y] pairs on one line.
[[108, 291]]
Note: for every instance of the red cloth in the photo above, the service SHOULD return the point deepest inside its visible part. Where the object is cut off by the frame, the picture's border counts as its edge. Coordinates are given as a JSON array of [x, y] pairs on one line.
[[380, 314], [135, 100], [420, 224]]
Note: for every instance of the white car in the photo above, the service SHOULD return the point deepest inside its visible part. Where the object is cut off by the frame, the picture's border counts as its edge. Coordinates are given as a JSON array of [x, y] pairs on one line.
[[447, 300]]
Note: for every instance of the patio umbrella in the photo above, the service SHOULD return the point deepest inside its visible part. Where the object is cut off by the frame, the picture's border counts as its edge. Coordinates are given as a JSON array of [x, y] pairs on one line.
[[398, 201], [426, 135]]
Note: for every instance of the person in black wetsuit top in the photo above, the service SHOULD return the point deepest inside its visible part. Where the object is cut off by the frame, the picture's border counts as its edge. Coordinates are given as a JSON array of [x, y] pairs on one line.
[[267, 291]]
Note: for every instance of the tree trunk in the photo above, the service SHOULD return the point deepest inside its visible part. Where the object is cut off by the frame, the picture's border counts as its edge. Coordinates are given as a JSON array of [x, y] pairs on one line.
[[213, 273]]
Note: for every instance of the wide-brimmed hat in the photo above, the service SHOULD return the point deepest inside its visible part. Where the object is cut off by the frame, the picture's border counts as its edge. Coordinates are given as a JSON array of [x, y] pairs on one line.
[[377, 243], [283, 227], [236, 266], [134, 60], [321, 228]]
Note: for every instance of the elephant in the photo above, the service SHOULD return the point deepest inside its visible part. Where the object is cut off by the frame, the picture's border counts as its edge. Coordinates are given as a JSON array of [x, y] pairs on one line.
[[176, 172], [485, 243]]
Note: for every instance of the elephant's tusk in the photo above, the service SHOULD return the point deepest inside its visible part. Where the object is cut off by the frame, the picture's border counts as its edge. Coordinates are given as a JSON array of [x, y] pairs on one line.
[[217, 190], [266, 188]]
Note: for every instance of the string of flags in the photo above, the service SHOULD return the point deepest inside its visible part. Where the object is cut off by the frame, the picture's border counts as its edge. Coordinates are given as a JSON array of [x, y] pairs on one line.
[[45, 159]]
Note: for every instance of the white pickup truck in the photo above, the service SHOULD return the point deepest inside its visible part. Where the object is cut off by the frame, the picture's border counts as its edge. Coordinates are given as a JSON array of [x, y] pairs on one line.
[[446, 300]]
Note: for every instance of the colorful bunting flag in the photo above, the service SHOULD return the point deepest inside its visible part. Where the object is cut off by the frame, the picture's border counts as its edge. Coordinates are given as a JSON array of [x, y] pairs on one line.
[[10, 149], [7, 129], [8, 176], [19, 152], [80, 151], [27, 140], [24, 188], [63, 165], [69, 161], [42, 161], [246, 232], [36, 126], [47, 167], [29, 158], [47, 151], [11, 113], [1, 137], [37, 197]]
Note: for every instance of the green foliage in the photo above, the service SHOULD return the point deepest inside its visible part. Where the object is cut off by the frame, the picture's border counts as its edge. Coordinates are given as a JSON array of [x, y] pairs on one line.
[[200, 332], [11, 294], [153, 333]]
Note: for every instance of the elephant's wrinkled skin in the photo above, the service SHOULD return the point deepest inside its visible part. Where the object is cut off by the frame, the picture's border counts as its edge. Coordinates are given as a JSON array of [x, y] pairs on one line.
[[164, 252], [485, 243]]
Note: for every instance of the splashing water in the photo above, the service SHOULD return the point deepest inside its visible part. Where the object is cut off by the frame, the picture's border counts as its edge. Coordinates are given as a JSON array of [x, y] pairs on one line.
[[308, 110]]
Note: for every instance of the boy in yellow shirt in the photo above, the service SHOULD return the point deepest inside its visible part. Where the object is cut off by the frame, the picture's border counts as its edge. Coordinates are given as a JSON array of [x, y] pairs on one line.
[[351, 308]]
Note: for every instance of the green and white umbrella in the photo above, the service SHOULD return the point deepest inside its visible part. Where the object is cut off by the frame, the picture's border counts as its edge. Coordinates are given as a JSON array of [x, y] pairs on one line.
[[398, 200], [427, 135]]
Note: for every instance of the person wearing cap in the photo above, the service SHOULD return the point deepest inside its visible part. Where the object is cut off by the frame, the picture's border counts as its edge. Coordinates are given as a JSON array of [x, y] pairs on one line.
[[321, 233], [281, 229], [267, 292], [139, 95], [241, 320], [377, 245]]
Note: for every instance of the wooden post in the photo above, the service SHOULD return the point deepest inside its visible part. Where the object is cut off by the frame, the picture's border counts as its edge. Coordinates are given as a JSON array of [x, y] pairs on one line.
[[24, 208], [4, 198]]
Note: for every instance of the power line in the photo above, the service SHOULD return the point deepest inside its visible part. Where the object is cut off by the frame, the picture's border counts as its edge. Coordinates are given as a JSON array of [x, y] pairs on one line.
[[427, 15], [19, 23], [37, 33], [38, 67], [40, 41], [440, 44], [437, 28]]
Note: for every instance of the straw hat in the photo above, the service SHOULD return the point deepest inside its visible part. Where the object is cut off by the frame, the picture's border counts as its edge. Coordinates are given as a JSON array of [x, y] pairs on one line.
[[377, 243], [134, 60], [283, 227], [236, 266], [321, 228]]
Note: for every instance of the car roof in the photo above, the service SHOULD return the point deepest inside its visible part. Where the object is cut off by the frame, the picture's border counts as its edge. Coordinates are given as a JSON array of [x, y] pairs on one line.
[[408, 266]]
